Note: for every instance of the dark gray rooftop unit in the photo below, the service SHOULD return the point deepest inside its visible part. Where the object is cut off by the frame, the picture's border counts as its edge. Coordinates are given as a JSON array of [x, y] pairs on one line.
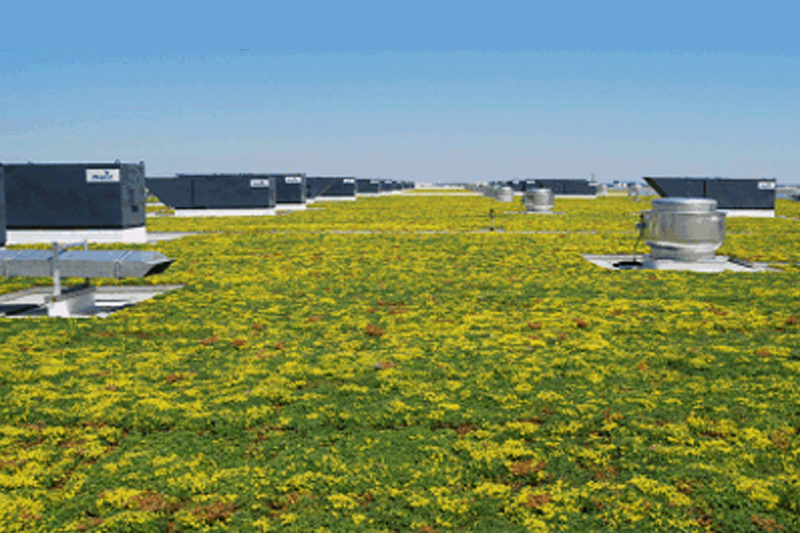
[[563, 186], [516, 185], [75, 195], [730, 193], [331, 187], [388, 185], [368, 186], [290, 188], [2, 207], [215, 191]]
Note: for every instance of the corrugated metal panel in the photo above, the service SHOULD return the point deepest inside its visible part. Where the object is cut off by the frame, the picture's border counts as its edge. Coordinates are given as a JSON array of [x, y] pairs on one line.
[[81, 195]]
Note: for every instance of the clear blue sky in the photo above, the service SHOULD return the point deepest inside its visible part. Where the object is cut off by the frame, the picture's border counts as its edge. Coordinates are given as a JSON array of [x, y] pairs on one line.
[[413, 90]]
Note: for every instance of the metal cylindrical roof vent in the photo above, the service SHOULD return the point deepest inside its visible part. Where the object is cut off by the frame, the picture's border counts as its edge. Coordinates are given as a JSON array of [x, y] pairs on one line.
[[538, 200], [683, 229], [505, 194]]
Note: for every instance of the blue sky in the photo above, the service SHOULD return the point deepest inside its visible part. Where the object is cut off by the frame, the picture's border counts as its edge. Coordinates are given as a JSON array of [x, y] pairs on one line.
[[414, 90]]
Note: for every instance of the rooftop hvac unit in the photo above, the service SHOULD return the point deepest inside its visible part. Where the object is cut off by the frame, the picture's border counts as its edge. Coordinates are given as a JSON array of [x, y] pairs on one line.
[[331, 188], [290, 191], [736, 197], [518, 186], [103, 202], [575, 188], [538, 200], [368, 186], [217, 194], [389, 186]]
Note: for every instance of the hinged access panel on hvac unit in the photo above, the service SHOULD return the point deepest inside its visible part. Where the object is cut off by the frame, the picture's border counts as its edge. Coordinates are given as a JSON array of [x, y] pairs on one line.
[[75, 195]]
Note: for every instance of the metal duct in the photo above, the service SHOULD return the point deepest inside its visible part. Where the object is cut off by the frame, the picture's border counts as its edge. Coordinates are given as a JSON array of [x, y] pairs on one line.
[[83, 263]]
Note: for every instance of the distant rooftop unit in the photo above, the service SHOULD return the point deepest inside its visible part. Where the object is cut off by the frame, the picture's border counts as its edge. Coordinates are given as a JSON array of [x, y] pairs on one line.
[[735, 196], [368, 186], [331, 187], [577, 188], [216, 194], [290, 190]]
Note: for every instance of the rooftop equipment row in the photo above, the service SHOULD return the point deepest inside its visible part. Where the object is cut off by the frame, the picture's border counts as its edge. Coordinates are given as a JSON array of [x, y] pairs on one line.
[[257, 194]]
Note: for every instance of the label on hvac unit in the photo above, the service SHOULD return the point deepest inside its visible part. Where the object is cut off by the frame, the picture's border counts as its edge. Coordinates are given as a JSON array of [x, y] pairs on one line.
[[294, 180], [259, 183], [349, 180], [766, 185], [102, 175]]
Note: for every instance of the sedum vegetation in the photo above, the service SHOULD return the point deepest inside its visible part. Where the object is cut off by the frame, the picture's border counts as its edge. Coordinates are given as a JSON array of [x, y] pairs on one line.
[[391, 365]]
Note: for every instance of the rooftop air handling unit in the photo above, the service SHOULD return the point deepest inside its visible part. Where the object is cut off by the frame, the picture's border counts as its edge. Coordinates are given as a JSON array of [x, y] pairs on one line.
[[290, 191], [97, 202], [331, 188], [538, 200], [569, 188], [64, 261], [734, 196], [390, 186], [197, 195], [368, 187], [518, 186]]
